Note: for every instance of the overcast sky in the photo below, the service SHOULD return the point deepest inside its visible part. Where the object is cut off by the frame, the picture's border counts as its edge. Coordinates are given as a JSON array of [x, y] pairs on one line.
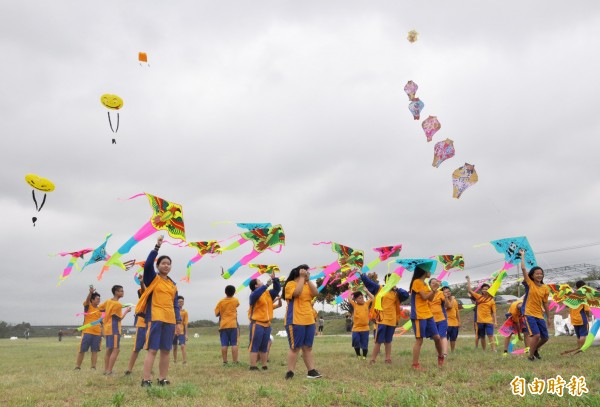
[[292, 112]]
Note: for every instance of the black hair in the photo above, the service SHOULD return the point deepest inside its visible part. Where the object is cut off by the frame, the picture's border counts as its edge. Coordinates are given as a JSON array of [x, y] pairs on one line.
[[115, 288], [161, 258], [485, 285], [533, 270], [446, 288], [180, 297], [356, 295], [580, 284], [252, 284], [294, 274], [418, 273], [94, 296], [229, 291]]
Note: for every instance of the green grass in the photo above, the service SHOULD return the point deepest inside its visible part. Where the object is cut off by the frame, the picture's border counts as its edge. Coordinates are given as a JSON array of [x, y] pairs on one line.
[[39, 372]]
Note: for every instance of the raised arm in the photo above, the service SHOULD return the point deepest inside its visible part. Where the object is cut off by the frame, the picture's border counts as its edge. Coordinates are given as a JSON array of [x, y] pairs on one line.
[[428, 296], [523, 268], [255, 295], [471, 292], [149, 273], [274, 292], [370, 285], [89, 296]]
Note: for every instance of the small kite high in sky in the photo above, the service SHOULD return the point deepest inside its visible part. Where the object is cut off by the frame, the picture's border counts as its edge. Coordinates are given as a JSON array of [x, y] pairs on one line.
[[112, 102], [72, 262], [415, 107], [143, 58], [431, 125], [41, 184], [411, 89], [442, 151], [413, 36], [463, 178]]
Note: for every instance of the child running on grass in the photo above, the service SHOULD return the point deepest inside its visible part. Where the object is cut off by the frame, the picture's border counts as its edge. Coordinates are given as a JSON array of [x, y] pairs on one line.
[[92, 336], [515, 314], [535, 304], [453, 317], [182, 338], [113, 315], [360, 330], [226, 310], [580, 317], [486, 314]]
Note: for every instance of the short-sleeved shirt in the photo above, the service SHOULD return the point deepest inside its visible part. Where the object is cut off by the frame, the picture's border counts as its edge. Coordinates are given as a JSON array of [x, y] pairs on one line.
[[486, 307], [535, 297], [299, 310], [515, 310], [437, 306], [226, 310], [112, 317], [184, 320], [262, 311], [390, 312], [578, 316], [91, 314], [361, 315], [453, 314], [419, 308], [163, 298]]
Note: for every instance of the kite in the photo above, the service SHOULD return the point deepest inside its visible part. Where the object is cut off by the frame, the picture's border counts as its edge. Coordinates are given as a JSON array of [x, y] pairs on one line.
[[348, 258], [413, 36], [41, 184], [415, 108], [442, 151], [411, 88], [462, 178], [262, 239], [167, 216], [410, 264], [262, 269], [142, 57], [99, 253], [72, 262], [203, 248], [91, 324], [391, 282], [563, 293], [591, 335], [510, 247], [431, 125], [450, 262], [112, 102]]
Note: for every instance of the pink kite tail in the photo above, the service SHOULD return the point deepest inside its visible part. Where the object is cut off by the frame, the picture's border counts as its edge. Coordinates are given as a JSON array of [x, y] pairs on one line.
[[595, 312], [320, 243], [442, 275]]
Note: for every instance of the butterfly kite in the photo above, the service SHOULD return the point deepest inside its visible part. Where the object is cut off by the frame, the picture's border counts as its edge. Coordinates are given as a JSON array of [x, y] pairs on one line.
[[166, 216], [442, 151], [463, 178], [262, 239], [41, 184], [203, 248]]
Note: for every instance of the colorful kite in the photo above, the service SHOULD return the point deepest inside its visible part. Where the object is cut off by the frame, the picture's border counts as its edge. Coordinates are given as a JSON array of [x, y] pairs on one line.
[[112, 102], [410, 265], [411, 89], [348, 259], [462, 178], [142, 57], [413, 36], [99, 253], [72, 262], [450, 262], [41, 184], [510, 247], [262, 239], [415, 108], [563, 293], [262, 269], [591, 335], [203, 248], [442, 151], [167, 216], [431, 125]]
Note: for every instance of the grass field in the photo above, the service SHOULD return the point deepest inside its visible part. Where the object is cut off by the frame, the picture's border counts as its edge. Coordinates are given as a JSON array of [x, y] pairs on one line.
[[39, 372]]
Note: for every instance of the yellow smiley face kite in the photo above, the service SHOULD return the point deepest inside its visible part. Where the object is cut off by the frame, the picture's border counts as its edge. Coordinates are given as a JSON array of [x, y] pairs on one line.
[[39, 183], [113, 102]]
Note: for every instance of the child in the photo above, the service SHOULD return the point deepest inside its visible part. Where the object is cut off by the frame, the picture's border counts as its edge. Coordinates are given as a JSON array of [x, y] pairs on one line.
[[486, 314], [260, 315], [226, 310], [453, 317], [475, 322], [321, 325], [360, 330], [438, 307], [579, 319], [515, 313], [112, 327], [535, 303], [92, 336], [140, 334], [421, 315], [182, 338]]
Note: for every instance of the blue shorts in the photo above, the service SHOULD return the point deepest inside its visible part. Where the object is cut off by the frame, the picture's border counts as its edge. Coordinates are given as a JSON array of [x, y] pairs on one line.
[[452, 333], [259, 338], [179, 340], [140, 339], [159, 335], [442, 328], [580, 331], [360, 339], [385, 333], [536, 326], [485, 329], [229, 336], [424, 328], [300, 335], [90, 341], [113, 341]]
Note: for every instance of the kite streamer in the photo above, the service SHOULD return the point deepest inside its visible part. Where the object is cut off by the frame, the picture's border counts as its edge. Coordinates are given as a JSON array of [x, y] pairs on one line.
[[203, 248], [348, 259], [72, 262]]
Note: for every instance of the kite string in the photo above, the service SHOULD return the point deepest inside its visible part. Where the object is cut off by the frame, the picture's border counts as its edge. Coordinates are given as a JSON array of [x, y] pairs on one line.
[[110, 122], [43, 202]]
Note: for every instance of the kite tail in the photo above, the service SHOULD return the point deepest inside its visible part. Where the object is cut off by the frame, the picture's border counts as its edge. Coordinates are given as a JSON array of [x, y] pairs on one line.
[[34, 200], [369, 266], [317, 276], [324, 283], [235, 244], [443, 274], [497, 282], [242, 262], [246, 282], [43, 202], [591, 336], [110, 122]]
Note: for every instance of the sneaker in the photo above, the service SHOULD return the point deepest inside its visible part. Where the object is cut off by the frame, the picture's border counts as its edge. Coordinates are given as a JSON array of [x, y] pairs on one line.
[[537, 354], [77, 368], [313, 374], [225, 363], [93, 368], [531, 358], [289, 375], [505, 354], [388, 361], [363, 358], [163, 382], [184, 363], [526, 350], [107, 373], [146, 383], [254, 368], [265, 367], [440, 361], [127, 372]]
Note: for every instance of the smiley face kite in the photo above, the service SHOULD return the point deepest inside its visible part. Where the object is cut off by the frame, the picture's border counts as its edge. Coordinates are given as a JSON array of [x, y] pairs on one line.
[[41, 184], [112, 102]]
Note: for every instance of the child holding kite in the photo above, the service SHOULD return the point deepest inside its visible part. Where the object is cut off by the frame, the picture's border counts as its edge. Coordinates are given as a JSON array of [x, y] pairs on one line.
[[535, 303], [260, 315], [486, 314], [92, 336], [579, 319], [515, 314], [360, 329], [226, 310]]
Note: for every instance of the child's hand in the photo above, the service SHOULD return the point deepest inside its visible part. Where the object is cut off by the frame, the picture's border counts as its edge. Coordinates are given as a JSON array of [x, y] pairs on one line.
[[159, 240], [522, 252]]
